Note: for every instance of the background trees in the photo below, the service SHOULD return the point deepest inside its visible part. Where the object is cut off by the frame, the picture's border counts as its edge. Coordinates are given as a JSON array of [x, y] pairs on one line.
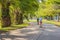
[[49, 9], [14, 11]]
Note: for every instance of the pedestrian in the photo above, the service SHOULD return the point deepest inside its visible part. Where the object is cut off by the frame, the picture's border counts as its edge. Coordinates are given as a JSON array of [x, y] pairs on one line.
[[40, 22]]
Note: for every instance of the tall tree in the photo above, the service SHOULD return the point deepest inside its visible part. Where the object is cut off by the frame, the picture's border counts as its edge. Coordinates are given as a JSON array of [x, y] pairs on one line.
[[57, 8], [6, 21], [26, 6]]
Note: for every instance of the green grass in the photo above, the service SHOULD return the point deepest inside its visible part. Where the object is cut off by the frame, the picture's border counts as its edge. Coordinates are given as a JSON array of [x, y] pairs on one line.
[[52, 22], [25, 21], [0, 24], [13, 27]]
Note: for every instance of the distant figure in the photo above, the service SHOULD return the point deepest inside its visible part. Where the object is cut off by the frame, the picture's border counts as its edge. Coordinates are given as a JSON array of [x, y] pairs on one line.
[[40, 22]]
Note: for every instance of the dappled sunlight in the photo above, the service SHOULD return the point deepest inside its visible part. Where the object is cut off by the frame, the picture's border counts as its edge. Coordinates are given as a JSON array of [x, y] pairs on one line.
[[15, 39], [20, 34], [17, 33], [50, 30], [33, 32], [32, 28], [29, 19]]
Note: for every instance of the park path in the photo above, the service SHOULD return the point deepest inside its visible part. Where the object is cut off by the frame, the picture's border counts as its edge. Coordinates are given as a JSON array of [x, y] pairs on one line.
[[51, 32], [33, 32], [28, 33]]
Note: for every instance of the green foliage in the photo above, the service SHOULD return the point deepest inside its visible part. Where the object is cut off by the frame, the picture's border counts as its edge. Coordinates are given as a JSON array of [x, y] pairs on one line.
[[25, 6], [14, 27], [48, 8]]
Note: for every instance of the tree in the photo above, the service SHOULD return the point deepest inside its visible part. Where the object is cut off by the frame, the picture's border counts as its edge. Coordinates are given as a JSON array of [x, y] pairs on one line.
[[46, 8], [6, 21], [20, 7], [28, 7], [57, 8]]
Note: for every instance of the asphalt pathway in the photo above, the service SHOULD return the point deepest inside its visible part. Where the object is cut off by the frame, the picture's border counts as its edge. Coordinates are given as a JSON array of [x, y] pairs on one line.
[[50, 32], [33, 32]]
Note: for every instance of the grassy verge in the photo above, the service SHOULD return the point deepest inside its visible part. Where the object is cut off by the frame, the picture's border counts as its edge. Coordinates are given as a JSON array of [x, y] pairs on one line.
[[52, 22], [0, 24], [26, 23], [14, 27]]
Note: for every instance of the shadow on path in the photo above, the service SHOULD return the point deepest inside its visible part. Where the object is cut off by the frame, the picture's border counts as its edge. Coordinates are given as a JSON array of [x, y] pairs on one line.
[[28, 33]]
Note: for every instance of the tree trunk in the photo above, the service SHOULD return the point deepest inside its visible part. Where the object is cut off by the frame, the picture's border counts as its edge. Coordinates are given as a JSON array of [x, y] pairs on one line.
[[58, 17], [6, 21], [19, 17], [51, 17]]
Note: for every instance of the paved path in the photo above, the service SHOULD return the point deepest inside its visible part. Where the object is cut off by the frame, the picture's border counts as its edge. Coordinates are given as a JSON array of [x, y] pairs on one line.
[[51, 32], [33, 32]]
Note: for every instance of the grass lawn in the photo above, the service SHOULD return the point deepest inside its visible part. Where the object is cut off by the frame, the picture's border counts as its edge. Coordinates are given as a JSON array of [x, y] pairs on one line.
[[25, 21], [0, 24], [13, 27], [52, 22]]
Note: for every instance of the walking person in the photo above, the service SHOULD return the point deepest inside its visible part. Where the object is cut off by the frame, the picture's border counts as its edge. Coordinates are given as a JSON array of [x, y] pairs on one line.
[[40, 22]]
